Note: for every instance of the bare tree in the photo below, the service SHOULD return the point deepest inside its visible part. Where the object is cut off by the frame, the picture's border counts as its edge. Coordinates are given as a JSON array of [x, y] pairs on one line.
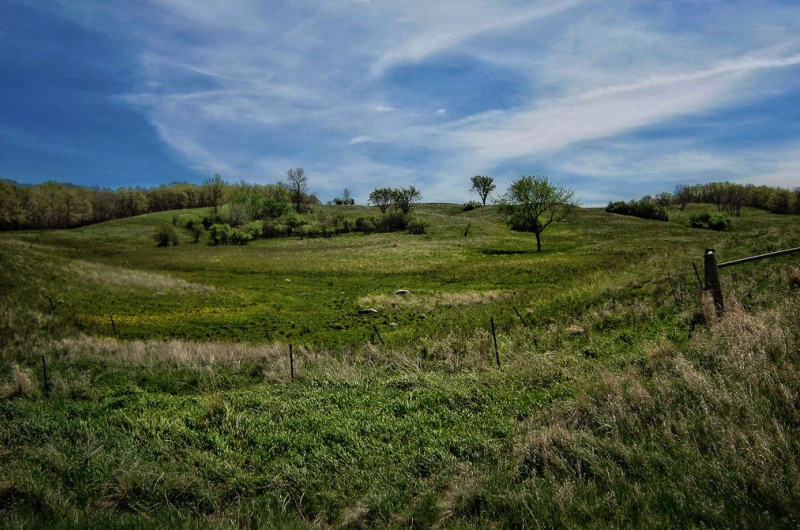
[[298, 182], [483, 186]]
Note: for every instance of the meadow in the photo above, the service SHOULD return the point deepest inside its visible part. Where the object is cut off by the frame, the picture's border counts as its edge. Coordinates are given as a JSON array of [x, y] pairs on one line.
[[615, 396]]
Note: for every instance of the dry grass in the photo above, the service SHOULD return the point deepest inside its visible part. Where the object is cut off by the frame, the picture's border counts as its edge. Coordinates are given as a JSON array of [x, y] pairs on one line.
[[106, 275], [22, 384], [427, 302]]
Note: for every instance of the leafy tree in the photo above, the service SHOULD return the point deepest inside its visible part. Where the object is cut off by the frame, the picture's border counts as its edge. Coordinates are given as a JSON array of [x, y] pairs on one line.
[[382, 198], [532, 204], [483, 186], [214, 191], [405, 198], [298, 182]]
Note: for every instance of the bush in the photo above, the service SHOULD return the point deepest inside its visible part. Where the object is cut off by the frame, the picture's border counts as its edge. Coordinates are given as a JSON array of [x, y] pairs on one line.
[[642, 209], [225, 234], [472, 205], [366, 225], [237, 237], [417, 226], [166, 235], [710, 221], [255, 229], [195, 226], [394, 221]]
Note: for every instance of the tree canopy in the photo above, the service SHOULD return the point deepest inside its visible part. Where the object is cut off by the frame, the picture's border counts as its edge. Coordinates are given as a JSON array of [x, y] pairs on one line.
[[483, 186], [531, 204]]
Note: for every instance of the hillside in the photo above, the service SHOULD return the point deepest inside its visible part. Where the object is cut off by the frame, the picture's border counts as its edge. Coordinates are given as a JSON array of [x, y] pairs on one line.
[[620, 398]]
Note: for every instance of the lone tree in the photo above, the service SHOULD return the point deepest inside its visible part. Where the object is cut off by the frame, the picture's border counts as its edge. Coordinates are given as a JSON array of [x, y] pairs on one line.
[[298, 182], [483, 186], [532, 204], [405, 198], [382, 198]]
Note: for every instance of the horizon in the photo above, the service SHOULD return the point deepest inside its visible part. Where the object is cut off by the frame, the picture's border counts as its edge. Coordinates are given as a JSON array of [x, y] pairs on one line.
[[614, 101]]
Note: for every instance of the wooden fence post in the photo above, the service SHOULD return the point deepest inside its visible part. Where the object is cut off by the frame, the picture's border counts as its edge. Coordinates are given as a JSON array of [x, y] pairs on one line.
[[291, 361], [712, 279], [496, 351], [44, 376], [379, 334]]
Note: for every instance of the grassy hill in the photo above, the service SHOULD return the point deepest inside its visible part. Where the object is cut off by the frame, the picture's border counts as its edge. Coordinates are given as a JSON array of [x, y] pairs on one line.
[[620, 398]]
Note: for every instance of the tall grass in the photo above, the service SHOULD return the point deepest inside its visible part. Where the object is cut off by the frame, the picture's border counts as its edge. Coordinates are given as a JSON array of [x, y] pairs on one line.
[[622, 400]]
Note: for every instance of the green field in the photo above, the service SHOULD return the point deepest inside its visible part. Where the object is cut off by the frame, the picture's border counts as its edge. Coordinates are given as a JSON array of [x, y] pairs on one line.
[[620, 399]]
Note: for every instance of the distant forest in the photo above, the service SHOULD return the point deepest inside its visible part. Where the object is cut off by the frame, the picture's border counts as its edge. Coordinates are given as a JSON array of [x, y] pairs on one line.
[[53, 205], [729, 197], [56, 205]]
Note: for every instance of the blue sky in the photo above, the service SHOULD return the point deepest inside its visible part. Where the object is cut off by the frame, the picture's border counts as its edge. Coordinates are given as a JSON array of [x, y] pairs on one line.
[[614, 99]]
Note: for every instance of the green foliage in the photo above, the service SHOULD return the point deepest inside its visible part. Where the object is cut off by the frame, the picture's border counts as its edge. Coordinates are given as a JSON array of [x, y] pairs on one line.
[[196, 227], [532, 204], [382, 198], [417, 226], [643, 209], [622, 400], [483, 186], [471, 205], [225, 234], [405, 198], [166, 235], [710, 220]]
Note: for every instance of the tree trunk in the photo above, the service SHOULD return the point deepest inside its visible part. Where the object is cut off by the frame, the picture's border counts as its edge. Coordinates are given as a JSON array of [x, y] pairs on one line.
[[538, 242]]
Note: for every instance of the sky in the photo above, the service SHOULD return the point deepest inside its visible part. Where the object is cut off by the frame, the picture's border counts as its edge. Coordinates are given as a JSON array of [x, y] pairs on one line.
[[615, 100]]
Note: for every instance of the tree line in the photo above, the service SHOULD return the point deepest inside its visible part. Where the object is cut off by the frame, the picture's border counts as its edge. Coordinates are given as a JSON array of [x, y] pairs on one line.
[[53, 205], [730, 197]]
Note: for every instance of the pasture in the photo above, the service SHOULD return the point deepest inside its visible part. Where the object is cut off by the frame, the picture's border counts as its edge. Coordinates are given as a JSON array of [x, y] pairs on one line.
[[619, 400]]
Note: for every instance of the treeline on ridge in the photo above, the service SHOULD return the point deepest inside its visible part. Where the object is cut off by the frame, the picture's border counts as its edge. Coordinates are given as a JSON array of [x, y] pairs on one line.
[[57, 205], [728, 197]]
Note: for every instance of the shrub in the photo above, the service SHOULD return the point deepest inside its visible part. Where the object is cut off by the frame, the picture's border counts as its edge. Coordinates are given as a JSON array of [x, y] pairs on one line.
[[642, 209], [472, 205], [255, 229], [711, 221], [220, 234], [195, 226], [394, 221], [238, 237], [274, 229], [417, 226], [166, 235], [366, 225]]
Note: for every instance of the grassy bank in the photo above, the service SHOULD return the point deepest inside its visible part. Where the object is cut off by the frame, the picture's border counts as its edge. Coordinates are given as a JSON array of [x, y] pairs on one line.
[[621, 399]]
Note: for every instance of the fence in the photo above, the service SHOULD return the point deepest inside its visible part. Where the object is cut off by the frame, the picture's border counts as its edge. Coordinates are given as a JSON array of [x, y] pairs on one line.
[[711, 268]]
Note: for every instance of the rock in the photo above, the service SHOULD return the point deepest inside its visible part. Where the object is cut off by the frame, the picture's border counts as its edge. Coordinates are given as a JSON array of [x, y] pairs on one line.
[[368, 311], [402, 292]]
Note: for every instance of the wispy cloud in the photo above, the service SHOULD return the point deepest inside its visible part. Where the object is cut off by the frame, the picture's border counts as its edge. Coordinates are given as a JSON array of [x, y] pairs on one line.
[[609, 96]]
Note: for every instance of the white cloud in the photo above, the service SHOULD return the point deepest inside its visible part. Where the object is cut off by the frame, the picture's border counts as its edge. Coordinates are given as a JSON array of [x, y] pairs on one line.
[[438, 26], [246, 88], [609, 111]]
